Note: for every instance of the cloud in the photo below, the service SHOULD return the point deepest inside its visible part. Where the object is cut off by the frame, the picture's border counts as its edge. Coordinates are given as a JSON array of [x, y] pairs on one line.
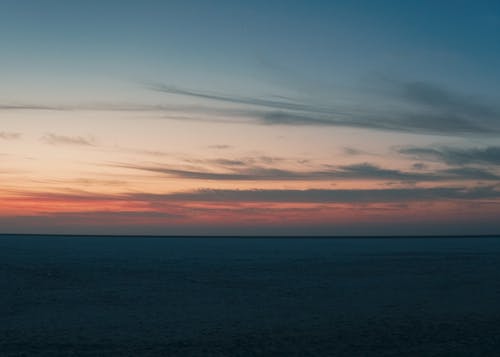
[[414, 107], [352, 151], [247, 161], [428, 109], [242, 174], [455, 156], [241, 170], [472, 173], [5, 135], [436, 97], [253, 101], [210, 210], [123, 107], [112, 216], [414, 122], [288, 118], [489, 193], [371, 172], [440, 108], [54, 139], [26, 107], [228, 162], [332, 196], [419, 166], [220, 147]]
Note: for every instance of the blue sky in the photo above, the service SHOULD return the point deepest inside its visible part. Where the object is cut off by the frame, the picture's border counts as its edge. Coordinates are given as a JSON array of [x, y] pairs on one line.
[[323, 44]]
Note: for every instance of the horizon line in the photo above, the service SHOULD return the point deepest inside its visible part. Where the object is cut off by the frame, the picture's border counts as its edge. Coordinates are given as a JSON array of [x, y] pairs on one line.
[[282, 236]]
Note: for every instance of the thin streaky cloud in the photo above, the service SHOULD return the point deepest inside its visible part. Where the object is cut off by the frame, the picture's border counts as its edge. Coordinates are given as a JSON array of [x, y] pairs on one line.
[[6, 135], [352, 151], [448, 114], [55, 139], [437, 97], [239, 171], [260, 102], [424, 108], [439, 124], [328, 196], [14, 107], [220, 147], [419, 166], [114, 215], [489, 155], [125, 107], [472, 173]]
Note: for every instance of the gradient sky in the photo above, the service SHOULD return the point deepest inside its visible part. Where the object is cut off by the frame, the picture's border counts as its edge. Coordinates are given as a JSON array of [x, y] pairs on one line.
[[263, 117]]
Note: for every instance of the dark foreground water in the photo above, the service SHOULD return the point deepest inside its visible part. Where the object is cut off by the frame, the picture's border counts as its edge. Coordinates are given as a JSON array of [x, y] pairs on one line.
[[70, 296]]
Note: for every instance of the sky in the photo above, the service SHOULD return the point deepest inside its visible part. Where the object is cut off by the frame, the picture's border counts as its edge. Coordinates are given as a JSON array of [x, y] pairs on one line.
[[249, 118]]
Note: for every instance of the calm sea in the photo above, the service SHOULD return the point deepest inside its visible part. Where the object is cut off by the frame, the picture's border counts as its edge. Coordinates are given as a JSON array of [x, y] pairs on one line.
[[93, 296]]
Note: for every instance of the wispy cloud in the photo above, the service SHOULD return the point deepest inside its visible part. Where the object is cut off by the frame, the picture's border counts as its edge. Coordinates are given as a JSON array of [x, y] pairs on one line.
[[455, 156], [26, 107], [120, 107], [352, 151], [447, 101], [419, 166], [430, 109], [403, 106], [238, 170], [242, 174], [55, 139], [6, 135], [386, 195], [114, 216], [246, 161], [220, 147], [473, 173], [332, 196], [260, 102]]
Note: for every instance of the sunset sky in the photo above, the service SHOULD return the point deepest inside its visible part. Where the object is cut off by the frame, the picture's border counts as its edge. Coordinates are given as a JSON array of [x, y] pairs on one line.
[[251, 118]]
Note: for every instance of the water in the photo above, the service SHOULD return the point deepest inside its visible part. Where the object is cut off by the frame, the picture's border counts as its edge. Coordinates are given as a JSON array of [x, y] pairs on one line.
[[89, 296]]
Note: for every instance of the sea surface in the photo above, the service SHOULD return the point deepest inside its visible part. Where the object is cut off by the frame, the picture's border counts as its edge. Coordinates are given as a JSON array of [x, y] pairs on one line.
[[140, 296]]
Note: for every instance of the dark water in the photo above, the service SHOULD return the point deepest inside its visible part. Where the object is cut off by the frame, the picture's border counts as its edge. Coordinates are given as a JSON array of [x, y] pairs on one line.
[[65, 296]]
